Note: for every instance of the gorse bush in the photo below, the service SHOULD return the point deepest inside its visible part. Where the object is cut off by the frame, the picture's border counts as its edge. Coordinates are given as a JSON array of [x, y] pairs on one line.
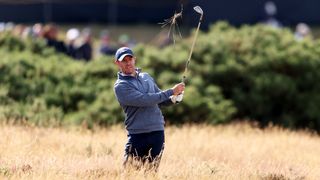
[[252, 72], [42, 90], [269, 75]]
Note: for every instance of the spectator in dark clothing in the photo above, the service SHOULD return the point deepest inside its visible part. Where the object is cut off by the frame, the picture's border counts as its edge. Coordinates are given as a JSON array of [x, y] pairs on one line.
[[72, 37], [85, 49], [50, 34], [105, 44]]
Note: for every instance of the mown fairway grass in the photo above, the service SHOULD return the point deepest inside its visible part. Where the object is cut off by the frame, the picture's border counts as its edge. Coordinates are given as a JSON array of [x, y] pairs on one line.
[[236, 151]]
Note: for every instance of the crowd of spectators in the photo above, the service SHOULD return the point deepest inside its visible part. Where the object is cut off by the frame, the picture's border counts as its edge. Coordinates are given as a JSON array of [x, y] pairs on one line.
[[301, 31], [78, 44]]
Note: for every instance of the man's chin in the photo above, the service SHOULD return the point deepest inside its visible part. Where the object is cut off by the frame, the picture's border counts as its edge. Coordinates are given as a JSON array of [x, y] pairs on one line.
[[129, 72]]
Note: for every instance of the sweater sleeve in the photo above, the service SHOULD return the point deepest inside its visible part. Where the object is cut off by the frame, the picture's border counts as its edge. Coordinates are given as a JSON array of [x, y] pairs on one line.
[[167, 102], [129, 96]]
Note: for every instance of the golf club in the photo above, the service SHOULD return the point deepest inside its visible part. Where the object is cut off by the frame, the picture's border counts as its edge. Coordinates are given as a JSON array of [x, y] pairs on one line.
[[184, 77], [198, 10]]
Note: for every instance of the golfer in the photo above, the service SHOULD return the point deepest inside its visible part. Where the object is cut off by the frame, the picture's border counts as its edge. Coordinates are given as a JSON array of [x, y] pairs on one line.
[[140, 98]]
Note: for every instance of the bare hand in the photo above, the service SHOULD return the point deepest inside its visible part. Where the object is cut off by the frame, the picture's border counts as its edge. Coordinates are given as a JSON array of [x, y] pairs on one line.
[[178, 88]]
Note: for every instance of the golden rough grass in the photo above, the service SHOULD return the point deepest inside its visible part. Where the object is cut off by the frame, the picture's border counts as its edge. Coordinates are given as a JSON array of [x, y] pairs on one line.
[[236, 151]]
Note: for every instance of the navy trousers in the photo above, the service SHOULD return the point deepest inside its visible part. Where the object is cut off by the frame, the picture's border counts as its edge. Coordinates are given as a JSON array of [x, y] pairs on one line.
[[145, 147]]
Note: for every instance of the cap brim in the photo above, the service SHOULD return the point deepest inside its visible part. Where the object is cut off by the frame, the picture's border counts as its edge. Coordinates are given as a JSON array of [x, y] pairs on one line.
[[124, 55]]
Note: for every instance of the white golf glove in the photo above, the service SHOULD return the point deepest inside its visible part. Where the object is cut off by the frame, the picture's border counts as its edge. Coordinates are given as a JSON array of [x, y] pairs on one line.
[[177, 99]]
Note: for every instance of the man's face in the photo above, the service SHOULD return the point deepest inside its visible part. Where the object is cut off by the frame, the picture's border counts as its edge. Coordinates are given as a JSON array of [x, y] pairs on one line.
[[127, 65]]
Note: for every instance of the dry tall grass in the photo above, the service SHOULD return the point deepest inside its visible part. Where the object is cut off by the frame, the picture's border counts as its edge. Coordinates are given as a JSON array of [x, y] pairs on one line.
[[192, 152]]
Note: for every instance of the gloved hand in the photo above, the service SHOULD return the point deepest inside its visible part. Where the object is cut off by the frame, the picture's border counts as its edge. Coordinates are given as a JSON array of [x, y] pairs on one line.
[[177, 99]]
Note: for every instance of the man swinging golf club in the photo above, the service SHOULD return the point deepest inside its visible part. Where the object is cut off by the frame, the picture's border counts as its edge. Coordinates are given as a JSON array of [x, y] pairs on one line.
[[140, 98]]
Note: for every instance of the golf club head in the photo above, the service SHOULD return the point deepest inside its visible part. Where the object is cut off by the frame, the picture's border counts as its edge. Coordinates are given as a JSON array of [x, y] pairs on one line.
[[198, 9]]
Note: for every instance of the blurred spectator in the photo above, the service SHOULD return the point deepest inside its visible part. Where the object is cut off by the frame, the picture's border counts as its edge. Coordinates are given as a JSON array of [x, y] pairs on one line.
[[27, 32], [71, 38], [105, 44], [37, 30], [2, 26], [85, 48], [270, 9], [50, 33], [9, 26], [302, 31], [18, 30], [124, 40], [162, 40]]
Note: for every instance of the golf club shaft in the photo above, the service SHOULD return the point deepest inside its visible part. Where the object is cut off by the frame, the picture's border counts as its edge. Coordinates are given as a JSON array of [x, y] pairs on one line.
[[191, 51]]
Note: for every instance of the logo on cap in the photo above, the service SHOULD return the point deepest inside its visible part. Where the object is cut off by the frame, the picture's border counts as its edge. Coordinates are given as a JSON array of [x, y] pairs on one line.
[[123, 52]]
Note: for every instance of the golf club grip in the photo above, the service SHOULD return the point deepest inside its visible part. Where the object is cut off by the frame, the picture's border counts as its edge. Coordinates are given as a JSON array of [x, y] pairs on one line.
[[184, 79]]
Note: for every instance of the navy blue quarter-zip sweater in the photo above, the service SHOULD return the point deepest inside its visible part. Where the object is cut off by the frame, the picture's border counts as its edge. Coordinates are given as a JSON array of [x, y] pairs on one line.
[[140, 99]]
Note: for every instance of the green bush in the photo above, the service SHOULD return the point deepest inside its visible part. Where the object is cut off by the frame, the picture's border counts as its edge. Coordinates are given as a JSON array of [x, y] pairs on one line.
[[270, 76], [53, 89]]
